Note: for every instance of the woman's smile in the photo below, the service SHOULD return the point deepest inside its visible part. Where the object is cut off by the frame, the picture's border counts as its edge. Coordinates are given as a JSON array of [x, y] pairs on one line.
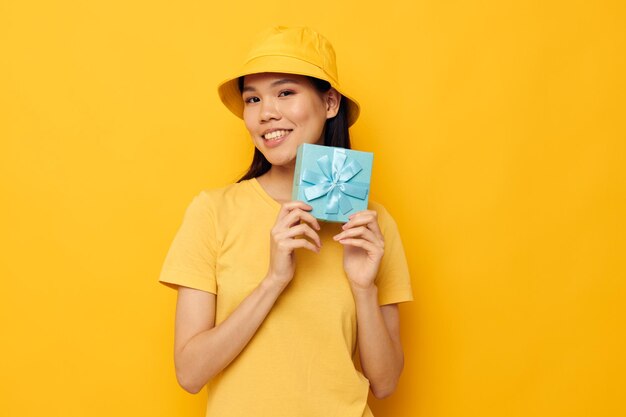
[[276, 133], [276, 136]]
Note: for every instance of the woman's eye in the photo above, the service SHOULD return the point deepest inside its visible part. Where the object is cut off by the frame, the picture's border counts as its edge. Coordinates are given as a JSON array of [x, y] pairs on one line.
[[285, 93], [249, 100]]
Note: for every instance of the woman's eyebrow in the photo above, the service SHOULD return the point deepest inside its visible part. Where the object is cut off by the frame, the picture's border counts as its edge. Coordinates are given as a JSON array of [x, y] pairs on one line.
[[249, 88], [284, 81]]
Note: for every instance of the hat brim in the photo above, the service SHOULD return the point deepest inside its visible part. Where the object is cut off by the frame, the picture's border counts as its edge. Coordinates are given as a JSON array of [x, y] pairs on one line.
[[231, 96]]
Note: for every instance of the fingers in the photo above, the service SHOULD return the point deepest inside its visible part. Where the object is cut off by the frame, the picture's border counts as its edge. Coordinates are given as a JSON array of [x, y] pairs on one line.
[[301, 229], [361, 232], [367, 218], [294, 220], [295, 211], [288, 245], [290, 205], [369, 247]]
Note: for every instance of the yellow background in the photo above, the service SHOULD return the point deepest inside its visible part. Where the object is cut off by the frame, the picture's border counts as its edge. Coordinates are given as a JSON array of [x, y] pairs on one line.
[[500, 149]]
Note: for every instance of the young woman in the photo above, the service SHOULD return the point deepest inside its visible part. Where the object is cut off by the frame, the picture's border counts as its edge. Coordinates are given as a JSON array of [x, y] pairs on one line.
[[270, 298]]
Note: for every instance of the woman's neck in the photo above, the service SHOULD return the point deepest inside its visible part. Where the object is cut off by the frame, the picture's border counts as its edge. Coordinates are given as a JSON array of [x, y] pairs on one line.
[[278, 182]]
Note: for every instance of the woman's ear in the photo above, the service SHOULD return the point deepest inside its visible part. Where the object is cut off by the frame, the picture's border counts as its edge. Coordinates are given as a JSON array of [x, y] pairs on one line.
[[333, 99]]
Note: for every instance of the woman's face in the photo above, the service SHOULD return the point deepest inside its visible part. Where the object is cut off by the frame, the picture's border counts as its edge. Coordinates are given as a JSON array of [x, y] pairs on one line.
[[282, 111]]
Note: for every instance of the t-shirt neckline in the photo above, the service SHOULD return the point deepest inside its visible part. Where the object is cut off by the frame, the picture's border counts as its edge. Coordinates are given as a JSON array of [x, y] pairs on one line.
[[264, 195]]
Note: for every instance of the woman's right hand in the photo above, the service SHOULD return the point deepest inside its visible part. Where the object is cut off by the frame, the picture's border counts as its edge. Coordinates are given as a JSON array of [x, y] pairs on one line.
[[293, 224]]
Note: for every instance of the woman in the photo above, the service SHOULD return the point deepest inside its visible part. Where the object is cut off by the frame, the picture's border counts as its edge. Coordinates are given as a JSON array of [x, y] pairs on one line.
[[269, 298]]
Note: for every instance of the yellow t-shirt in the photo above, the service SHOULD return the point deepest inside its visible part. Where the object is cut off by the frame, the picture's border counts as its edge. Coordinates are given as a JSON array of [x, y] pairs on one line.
[[300, 361]]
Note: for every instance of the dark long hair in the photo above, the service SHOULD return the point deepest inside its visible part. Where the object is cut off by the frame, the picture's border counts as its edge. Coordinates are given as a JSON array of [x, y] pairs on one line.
[[335, 132]]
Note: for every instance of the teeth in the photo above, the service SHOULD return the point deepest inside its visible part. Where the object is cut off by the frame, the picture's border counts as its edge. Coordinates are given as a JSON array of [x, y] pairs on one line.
[[276, 134]]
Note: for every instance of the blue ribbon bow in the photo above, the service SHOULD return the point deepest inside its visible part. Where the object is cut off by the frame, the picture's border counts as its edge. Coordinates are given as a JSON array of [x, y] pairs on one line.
[[334, 181]]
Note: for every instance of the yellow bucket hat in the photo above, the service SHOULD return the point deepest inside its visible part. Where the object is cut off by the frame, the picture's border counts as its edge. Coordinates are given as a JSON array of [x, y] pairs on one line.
[[288, 50]]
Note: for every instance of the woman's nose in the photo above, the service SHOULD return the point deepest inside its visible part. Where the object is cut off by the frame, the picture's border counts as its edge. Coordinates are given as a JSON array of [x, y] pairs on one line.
[[269, 111]]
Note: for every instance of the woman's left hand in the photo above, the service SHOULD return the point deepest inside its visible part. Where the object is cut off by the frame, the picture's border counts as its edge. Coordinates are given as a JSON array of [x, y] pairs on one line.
[[364, 247]]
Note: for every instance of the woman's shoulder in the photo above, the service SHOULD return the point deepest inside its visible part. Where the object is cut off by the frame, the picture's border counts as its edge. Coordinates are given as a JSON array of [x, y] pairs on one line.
[[221, 190], [217, 196]]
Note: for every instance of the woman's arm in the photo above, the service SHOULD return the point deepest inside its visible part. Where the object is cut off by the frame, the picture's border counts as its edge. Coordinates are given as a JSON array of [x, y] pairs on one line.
[[201, 349], [379, 343], [380, 349]]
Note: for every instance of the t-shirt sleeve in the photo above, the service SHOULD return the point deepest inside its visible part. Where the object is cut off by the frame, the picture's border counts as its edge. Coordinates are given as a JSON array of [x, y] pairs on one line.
[[190, 261], [393, 279]]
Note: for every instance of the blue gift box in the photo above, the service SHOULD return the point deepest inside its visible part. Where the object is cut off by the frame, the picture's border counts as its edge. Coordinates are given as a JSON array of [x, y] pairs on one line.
[[334, 181]]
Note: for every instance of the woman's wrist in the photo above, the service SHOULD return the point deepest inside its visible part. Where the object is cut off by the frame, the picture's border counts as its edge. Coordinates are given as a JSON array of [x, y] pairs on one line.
[[369, 291], [273, 284]]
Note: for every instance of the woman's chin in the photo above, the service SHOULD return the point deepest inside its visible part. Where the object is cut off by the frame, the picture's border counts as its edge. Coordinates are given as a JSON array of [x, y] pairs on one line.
[[282, 157], [283, 162]]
